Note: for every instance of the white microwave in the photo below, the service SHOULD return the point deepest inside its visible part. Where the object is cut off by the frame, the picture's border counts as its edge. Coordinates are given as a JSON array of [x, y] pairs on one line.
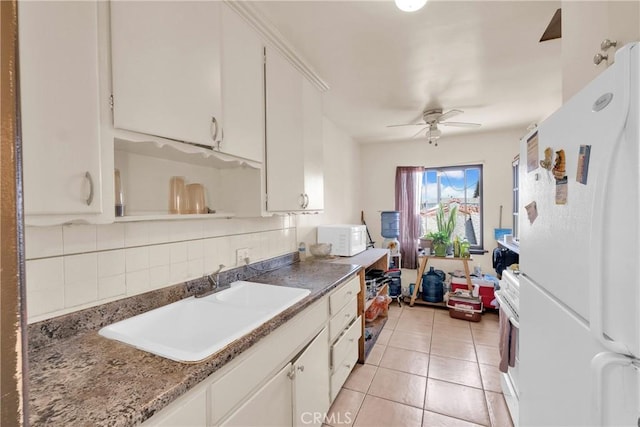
[[345, 239]]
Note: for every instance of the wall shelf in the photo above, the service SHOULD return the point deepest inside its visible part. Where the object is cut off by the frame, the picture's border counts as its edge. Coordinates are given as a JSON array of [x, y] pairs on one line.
[[171, 217]]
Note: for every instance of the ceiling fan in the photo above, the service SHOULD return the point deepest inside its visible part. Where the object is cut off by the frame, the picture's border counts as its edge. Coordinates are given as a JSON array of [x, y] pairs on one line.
[[432, 118]]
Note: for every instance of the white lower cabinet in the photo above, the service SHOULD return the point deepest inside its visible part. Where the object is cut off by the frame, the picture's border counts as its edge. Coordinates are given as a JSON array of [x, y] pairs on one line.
[[311, 382], [269, 406], [189, 410]]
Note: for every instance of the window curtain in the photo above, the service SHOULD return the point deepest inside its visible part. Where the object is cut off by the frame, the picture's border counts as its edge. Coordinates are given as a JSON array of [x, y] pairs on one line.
[[408, 183]]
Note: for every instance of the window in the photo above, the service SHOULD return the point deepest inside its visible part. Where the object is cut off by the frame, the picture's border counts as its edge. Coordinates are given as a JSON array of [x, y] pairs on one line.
[[456, 185]]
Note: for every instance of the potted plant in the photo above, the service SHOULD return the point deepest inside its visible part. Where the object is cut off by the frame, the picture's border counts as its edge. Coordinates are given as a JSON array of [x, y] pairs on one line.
[[446, 224], [440, 242], [426, 243]]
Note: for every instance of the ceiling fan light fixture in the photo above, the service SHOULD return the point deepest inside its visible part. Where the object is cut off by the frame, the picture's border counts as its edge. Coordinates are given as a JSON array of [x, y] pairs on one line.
[[410, 5]]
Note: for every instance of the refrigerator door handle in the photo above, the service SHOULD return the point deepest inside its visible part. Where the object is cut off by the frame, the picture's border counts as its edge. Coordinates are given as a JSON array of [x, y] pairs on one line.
[[598, 364], [599, 211]]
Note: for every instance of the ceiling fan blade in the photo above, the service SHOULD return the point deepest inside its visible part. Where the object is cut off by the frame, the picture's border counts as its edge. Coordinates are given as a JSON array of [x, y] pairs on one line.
[[449, 114], [418, 133], [406, 124], [461, 124]]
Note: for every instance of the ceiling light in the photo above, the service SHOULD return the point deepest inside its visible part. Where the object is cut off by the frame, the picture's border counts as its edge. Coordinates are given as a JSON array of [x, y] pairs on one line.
[[410, 5]]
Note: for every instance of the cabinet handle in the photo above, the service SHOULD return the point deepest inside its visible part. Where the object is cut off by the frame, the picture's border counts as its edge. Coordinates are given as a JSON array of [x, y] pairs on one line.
[[306, 203], [303, 199], [350, 293], [90, 198], [301, 368], [606, 44], [348, 365], [347, 315], [214, 128], [599, 57]]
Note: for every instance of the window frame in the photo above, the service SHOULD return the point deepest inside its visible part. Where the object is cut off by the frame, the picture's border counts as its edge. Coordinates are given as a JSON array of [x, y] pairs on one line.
[[479, 247]]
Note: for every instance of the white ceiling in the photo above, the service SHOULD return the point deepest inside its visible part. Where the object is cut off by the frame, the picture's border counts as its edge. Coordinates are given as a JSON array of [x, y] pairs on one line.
[[385, 66]]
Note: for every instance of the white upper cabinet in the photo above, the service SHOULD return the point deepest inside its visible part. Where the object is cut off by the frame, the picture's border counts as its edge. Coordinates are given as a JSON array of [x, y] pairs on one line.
[[60, 109], [166, 69], [242, 89], [294, 139], [312, 142]]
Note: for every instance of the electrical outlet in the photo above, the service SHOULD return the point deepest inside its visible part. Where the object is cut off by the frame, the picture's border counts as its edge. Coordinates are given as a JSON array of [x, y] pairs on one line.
[[241, 255]]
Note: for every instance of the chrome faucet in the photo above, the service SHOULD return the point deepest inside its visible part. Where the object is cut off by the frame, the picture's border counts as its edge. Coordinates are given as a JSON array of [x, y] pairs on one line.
[[214, 281]]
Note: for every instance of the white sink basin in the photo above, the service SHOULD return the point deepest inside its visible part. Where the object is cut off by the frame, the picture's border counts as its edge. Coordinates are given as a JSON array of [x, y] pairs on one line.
[[195, 328]]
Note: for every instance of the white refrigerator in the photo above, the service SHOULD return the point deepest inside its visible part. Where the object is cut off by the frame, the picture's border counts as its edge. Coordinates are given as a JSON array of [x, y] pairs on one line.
[[579, 331]]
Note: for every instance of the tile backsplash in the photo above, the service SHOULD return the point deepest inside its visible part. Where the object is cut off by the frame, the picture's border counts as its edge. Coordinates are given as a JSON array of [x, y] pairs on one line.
[[72, 267]]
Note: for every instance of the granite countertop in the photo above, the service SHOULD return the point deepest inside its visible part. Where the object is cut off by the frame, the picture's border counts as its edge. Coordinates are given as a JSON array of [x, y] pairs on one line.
[[80, 378]]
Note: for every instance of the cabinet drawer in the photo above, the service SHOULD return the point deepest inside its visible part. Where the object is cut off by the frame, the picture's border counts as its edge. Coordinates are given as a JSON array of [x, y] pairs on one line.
[[346, 343], [342, 371], [343, 295], [342, 319]]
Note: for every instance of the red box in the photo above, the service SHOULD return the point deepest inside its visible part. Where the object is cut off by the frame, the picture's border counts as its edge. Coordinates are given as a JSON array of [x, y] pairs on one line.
[[485, 289], [465, 308]]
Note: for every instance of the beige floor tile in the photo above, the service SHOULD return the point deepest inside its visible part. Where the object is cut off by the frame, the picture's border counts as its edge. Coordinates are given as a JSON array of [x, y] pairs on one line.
[[383, 338], [399, 386], [489, 322], [394, 311], [344, 409], [498, 411], [413, 362], [390, 324], [431, 419], [488, 355], [447, 320], [410, 341], [418, 311], [457, 401], [410, 324], [453, 348], [452, 332], [375, 354], [490, 378], [377, 412], [455, 371], [485, 337], [360, 378]]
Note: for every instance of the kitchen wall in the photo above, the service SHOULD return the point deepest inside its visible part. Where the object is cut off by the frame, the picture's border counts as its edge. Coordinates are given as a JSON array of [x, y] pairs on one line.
[[494, 150], [72, 267]]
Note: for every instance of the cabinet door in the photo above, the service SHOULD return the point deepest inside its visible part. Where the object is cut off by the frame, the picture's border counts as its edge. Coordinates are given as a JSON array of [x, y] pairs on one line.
[[313, 153], [189, 410], [284, 152], [59, 94], [311, 382], [269, 406], [242, 88], [166, 69]]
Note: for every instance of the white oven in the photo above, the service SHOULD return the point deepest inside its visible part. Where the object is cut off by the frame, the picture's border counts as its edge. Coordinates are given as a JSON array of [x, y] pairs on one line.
[[509, 299]]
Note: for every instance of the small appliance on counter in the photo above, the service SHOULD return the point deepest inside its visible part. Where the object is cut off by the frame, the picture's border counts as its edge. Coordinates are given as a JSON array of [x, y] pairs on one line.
[[345, 239]]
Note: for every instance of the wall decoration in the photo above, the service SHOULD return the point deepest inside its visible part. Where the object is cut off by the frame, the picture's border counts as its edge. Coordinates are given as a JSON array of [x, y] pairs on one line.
[[532, 211], [560, 166], [532, 152], [562, 189], [583, 164], [546, 163]]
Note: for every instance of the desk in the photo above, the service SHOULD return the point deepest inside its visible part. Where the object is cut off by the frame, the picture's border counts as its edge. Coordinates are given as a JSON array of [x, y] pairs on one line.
[[424, 260], [370, 259]]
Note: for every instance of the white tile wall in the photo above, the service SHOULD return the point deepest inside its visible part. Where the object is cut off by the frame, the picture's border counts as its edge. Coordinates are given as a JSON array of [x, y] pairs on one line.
[[77, 266]]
